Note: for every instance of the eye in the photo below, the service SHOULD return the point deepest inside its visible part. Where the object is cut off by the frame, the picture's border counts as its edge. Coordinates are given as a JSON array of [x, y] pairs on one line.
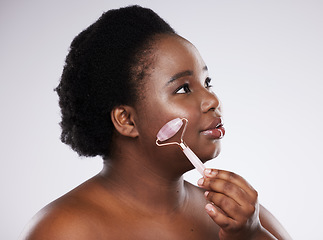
[[207, 83], [183, 89]]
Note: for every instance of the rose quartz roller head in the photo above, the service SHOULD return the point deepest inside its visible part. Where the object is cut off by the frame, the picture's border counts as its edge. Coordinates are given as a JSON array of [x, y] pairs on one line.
[[168, 131]]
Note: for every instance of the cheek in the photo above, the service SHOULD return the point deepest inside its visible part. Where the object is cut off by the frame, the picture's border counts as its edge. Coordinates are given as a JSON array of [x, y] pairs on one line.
[[150, 123], [188, 111], [156, 114]]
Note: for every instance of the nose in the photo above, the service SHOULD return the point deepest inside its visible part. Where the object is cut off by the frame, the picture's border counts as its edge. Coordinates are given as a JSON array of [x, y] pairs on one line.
[[211, 102]]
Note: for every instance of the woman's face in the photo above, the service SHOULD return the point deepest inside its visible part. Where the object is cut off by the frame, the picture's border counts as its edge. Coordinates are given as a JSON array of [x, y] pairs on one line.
[[178, 85]]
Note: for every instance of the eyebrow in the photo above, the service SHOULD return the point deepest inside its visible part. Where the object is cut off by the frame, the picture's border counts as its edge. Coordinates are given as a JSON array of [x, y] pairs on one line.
[[183, 74]]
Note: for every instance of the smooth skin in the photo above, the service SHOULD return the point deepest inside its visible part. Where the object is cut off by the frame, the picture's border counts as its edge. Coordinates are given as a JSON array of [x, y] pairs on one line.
[[141, 193]]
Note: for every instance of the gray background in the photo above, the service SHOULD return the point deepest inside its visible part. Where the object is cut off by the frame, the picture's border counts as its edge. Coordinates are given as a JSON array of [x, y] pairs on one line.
[[265, 59]]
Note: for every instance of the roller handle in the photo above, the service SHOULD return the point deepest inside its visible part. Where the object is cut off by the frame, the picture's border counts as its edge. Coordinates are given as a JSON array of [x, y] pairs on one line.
[[193, 159]]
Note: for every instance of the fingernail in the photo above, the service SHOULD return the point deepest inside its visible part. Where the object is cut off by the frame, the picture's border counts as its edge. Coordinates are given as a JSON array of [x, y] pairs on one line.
[[209, 208], [211, 172], [206, 193], [200, 181], [207, 171]]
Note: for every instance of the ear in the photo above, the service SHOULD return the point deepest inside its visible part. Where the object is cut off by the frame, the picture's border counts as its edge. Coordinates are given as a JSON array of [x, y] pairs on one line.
[[123, 120]]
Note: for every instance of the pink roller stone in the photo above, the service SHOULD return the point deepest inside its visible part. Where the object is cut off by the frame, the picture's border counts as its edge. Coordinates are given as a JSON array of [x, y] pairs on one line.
[[169, 129]]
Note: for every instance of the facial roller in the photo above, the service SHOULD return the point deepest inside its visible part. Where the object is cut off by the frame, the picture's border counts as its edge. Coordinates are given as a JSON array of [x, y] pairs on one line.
[[168, 131]]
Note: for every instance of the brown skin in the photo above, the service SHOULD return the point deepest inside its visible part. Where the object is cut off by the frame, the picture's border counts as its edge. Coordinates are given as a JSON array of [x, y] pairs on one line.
[[140, 193]]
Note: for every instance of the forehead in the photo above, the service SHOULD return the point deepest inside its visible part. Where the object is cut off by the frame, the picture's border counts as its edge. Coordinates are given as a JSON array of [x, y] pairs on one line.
[[173, 52], [174, 55]]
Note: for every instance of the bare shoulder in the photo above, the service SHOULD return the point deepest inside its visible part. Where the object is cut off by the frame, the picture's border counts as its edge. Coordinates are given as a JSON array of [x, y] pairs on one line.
[[57, 221], [75, 215], [269, 222]]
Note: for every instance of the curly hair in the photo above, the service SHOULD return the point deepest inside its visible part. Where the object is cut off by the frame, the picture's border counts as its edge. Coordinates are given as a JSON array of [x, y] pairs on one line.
[[103, 69]]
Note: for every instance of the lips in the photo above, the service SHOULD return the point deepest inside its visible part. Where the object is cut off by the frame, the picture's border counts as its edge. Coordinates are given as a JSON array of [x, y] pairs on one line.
[[215, 130]]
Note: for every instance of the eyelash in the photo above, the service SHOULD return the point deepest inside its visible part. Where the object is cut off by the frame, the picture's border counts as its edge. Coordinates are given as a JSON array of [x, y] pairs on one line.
[[207, 82], [187, 89]]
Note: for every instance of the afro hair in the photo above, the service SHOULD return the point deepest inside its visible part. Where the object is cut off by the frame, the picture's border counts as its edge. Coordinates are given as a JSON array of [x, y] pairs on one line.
[[103, 69]]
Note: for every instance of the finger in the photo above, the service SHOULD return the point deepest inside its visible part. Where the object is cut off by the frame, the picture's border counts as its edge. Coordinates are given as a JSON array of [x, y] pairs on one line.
[[233, 178], [220, 218], [229, 176], [227, 188], [230, 207]]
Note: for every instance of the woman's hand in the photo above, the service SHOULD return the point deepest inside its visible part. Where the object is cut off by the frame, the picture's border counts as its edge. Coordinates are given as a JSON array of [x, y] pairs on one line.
[[233, 205]]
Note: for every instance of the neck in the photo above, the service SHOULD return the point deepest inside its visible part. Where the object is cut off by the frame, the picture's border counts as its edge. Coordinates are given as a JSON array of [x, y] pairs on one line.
[[143, 187]]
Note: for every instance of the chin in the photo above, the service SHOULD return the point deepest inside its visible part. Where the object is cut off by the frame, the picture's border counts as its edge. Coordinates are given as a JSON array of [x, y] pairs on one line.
[[208, 154], [206, 159], [216, 154]]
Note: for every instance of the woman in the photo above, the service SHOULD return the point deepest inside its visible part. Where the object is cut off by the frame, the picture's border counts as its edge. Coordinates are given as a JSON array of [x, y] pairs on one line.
[[126, 76]]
